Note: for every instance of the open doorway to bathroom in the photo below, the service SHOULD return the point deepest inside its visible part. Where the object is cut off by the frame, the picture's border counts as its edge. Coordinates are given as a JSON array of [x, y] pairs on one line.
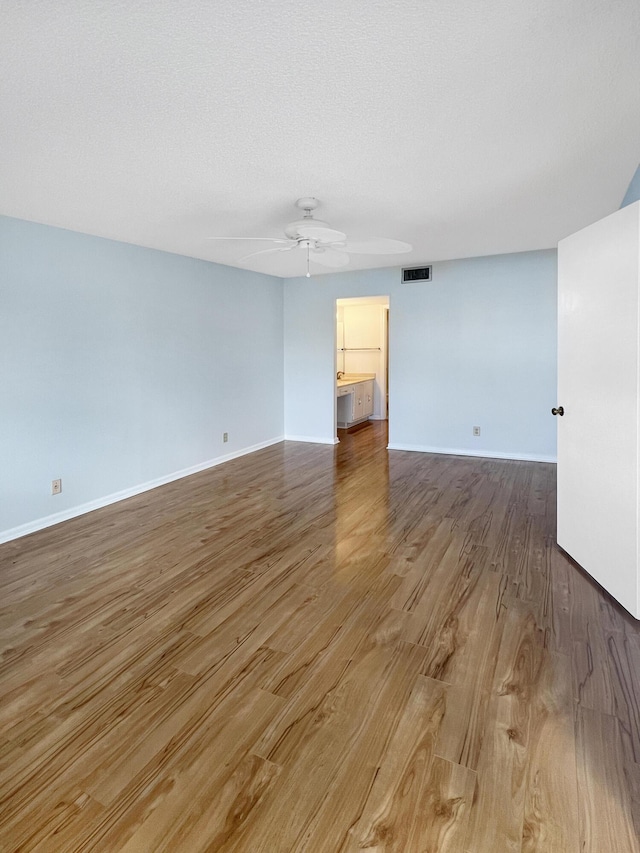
[[362, 362]]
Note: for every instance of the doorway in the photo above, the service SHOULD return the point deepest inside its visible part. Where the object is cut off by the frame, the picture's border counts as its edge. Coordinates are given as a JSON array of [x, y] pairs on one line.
[[362, 353]]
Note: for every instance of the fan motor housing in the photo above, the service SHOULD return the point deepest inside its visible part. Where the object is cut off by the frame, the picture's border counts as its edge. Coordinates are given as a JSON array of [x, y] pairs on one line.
[[296, 229]]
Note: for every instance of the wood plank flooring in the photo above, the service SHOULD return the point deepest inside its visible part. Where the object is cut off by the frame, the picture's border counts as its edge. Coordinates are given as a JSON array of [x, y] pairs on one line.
[[318, 649]]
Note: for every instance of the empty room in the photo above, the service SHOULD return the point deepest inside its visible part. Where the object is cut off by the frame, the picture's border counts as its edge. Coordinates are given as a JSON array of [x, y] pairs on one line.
[[319, 427]]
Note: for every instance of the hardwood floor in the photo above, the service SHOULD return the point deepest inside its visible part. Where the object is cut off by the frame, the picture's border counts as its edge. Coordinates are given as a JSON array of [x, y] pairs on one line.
[[318, 649]]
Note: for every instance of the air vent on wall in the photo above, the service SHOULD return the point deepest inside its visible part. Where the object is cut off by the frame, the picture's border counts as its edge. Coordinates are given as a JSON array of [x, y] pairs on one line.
[[416, 274]]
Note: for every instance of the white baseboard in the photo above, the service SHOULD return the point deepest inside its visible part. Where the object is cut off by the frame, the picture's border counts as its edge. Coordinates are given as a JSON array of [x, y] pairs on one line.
[[311, 439], [82, 509], [484, 454]]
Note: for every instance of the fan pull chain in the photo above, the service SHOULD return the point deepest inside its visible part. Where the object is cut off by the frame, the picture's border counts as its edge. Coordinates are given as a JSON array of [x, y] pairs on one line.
[[308, 273]]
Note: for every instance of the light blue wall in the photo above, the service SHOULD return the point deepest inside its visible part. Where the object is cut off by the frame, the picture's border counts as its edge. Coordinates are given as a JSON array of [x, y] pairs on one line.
[[476, 347], [633, 192], [121, 366]]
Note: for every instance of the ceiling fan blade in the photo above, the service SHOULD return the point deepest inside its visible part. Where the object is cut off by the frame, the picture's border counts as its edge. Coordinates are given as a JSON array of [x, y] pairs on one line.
[[378, 246], [268, 251], [268, 239], [314, 231], [329, 258]]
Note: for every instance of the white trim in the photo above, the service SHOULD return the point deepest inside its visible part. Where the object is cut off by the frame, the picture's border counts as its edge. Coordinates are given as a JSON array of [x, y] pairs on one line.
[[487, 454], [311, 439], [82, 509]]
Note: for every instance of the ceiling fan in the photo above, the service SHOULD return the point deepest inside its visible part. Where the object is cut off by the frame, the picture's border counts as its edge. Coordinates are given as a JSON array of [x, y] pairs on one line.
[[321, 243]]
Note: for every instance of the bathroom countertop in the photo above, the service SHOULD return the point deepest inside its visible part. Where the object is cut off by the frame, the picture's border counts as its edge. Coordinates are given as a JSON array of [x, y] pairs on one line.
[[354, 378]]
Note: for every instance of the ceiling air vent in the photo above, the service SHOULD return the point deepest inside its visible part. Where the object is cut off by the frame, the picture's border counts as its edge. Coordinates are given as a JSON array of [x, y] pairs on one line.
[[416, 274]]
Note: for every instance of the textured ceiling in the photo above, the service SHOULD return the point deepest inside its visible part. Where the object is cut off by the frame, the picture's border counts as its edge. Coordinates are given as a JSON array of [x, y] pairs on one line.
[[463, 128]]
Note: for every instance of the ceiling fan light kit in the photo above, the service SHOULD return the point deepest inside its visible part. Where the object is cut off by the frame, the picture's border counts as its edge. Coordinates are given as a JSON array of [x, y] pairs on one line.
[[324, 245]]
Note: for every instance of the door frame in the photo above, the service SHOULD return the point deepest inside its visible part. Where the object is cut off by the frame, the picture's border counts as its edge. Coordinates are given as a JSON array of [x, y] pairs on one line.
[[384, 301]]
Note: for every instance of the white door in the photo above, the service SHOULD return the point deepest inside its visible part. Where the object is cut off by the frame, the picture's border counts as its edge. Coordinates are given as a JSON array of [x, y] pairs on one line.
[[598, 376]]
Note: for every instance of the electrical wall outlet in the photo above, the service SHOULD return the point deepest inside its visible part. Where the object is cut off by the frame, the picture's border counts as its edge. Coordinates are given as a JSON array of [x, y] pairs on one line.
[[225, 436], [476, 430], [56, 487]]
